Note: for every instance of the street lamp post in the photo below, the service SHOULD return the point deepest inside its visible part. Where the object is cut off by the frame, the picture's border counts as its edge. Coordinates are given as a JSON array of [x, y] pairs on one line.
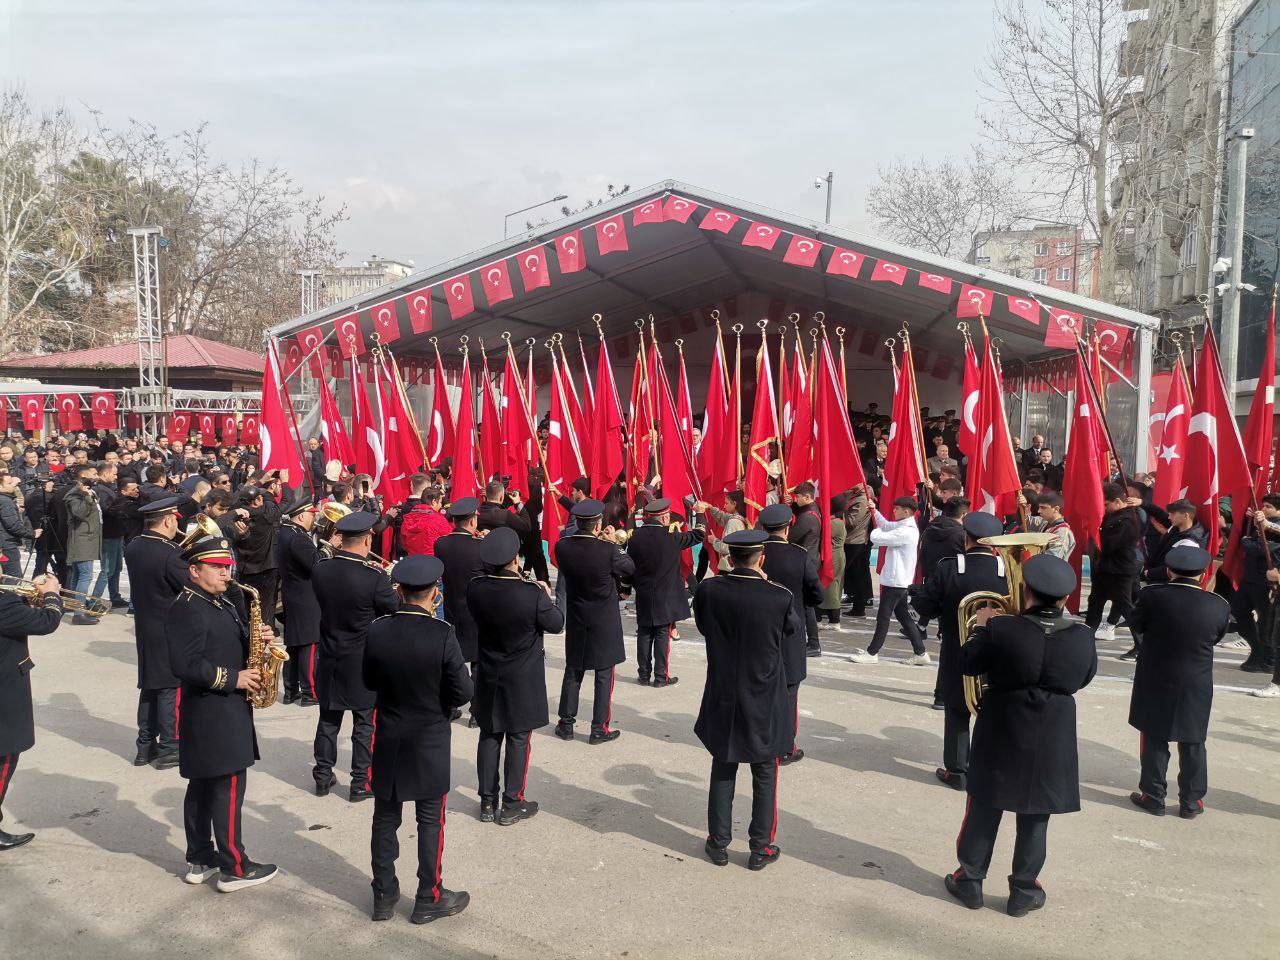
[[535, 206], [818, 182]]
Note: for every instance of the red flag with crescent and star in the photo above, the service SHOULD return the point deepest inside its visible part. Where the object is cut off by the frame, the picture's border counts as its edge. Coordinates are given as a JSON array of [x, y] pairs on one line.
[[569, 252], [208, 423], [886, 272], [678, 209], [1082, 480], [611, 235], [458, 294], [311, 340], [68, 406], [802, 252], [279, 448], [974, 301], [650, 212], [103, 407], [249, 430], [533, 268], [720, 221], [32, 405], [418, 304], [496, 280], [1171, 456], [845, 263], [346, 330], [229, 429], [761, 235], [385, 323]]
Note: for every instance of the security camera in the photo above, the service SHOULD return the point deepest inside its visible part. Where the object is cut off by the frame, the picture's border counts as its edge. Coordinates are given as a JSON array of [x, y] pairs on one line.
[[817, 183], [1221, 265], [1248, 288], [1222, 288]]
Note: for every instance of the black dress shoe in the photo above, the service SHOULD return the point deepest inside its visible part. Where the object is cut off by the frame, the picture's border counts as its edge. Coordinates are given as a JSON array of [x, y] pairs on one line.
[[10, 840], [165, 760], [953, 780], [665, 681], [360, 793], [795, 756], [1022, 902], [384, 906], [643, 680], [457, 714], [451, 901], [471, 722], [814, 651], [323, 788], [1191, 811], [513, 813], [289, 697], [305, 701], [971, 900], [564, 730], [1254, 666], [604, 737], [760, 859], [717, 855], [488, 809], [1130, 654], [939, 706], [145, 756], [1143, 802]]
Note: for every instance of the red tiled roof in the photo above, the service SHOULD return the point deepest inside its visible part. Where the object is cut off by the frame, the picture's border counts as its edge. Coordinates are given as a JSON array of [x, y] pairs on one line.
[[181, 351]]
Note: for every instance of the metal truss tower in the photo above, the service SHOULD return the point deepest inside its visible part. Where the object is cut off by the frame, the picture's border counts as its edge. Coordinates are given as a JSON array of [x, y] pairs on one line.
[[151, 396]]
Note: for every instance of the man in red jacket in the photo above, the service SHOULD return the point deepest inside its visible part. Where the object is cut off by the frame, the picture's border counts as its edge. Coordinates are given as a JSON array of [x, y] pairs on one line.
[[424, 524]]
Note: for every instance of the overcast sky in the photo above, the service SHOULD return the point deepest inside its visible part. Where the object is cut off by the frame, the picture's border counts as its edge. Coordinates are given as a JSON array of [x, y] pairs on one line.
[[430, 120]]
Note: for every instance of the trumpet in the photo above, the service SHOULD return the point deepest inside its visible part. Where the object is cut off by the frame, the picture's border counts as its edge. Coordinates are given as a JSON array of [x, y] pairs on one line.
[[73, 601]]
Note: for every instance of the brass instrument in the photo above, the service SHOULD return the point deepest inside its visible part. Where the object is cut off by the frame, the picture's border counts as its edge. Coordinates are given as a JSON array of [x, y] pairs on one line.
[[1015, 549], [330, 514], [204, 527], [620, 537], [266, 658], [73, 601]]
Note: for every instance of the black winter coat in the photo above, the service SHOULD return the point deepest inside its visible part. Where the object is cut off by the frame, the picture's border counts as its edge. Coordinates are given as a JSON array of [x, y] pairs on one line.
[[1156, 570], [1173, 681], [745, 714], [156, 576], [256, 550], [296, 555], [1118, 540], [594, 570], [459, 551], [414, 666], [511, 615], [789, 565], [208, 638], [351, 592], [1024, 757], [14, 527], [942, 538], [18, 621], [493, 515], [806, 531], [661, 597]]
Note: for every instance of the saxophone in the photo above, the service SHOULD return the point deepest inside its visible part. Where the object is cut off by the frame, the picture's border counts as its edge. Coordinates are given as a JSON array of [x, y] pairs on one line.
[[266, 658]]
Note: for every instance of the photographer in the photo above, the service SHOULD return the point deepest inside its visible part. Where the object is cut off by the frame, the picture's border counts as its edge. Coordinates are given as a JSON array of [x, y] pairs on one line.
[[256, 548], [14, 527], [84, 528], [501, 510]]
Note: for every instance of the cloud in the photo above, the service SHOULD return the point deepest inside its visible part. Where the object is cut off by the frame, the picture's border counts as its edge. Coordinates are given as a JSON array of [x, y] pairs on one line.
[[373, 195]]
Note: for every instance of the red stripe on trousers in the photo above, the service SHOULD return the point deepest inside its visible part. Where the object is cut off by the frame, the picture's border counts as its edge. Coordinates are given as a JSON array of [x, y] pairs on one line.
[[609, 707], [4, 774], [231, 827], [528, 752], [177, 715], [435, 887], [311, 671], [372, 738], [773, 830], [666, 671], [967, 804], [795, 730]]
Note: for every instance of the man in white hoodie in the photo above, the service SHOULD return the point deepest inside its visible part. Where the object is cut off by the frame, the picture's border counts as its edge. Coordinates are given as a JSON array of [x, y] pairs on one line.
[[898, 539]]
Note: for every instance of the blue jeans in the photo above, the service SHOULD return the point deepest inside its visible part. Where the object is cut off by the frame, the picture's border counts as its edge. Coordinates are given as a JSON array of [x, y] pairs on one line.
[[80, 576], [109, 575]]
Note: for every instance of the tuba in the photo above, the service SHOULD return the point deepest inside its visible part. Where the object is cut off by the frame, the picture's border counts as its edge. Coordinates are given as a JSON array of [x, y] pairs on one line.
[[330, 513], [203, 526], [1015, 549], [266, 658]]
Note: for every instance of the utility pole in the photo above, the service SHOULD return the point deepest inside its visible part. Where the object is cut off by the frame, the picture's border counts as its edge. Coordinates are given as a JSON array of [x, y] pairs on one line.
[[151, 400], [1230, 330], [310, 303], [828, 180]]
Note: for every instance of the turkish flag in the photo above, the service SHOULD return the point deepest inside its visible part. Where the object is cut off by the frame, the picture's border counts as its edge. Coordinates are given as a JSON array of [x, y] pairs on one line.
[[178, 425], [517, 431], [419, 306], [68, 406], [492, 461], [1063, 329], [337, 366], [802, 252], [1114, 340], [497, 282], [943, 366], [935, 281], [721, 221], [1082, 475], [650, 212], [886, 272], [678, 209], [337, 442], [390, 482], [385, 323], [867, 343], [32, 411], [533, 268], [761, 235], [569, 252], [904, 466], [292, 357], [845, 263], [835, 455], [611, 235], [311, 340], [563, 464], [974, 301], [440, 438], [993, 476], [104, 411], [1025, 308], [208, 430], [1171, 458], [229, 429], [606, 449], [458, 294], [764, 431], [279, 446], [346, 330], [1260, 427], [466, 456], [366, 440], [249, 430], [968, 435]]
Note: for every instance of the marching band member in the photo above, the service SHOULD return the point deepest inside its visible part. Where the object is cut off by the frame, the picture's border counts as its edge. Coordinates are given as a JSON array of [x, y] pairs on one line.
[[296, 555], [661, 598], [459, 551]]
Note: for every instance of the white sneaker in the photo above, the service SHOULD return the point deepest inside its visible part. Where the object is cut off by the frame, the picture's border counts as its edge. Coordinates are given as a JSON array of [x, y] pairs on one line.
[[838, 628], [198, 873], [919, 660], [1270, 690], [1105, 632], [861, 656]]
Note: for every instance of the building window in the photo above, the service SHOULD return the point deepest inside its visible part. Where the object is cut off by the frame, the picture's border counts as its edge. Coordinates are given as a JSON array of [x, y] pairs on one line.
[[1039, 274], [1062, 273], [1064, 248], [1042, 248]]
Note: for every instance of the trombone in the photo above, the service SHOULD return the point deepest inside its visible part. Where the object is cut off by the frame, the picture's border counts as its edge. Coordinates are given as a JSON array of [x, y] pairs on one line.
[[73, 601]]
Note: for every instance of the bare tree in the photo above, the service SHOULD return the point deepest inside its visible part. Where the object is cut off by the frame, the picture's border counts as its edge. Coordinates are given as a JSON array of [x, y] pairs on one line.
[[940, 206]]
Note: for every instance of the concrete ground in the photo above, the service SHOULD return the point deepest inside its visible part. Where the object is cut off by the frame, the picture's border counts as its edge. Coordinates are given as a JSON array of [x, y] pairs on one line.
[[613, 865]]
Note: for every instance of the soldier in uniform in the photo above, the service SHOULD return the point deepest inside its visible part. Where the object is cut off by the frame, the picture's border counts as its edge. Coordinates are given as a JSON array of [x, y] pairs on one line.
[[413, 664], [594, 569], [978, 568], [1024, 756], [511, 615], [661, 599], [157, 574], [351, 590], [18, 621], [791, 566], [745, 716], [459, 551], [208, 638], [296, 555], [1173, 680]]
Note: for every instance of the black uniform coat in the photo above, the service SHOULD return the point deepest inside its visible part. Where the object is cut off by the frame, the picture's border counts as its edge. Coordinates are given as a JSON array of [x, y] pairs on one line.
[[1023, 757], [660, 591], [157, 574], [296, 555], [1173, 681], [19, 620], [414, 666], [745, 716], [351, 591], [208, 639], [593, 570], [459, 551], [511, 615], [790, 565], [940, 597]]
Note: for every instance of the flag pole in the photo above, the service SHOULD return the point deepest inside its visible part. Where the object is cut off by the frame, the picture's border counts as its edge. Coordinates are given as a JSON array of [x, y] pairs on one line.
[[737, 396]]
